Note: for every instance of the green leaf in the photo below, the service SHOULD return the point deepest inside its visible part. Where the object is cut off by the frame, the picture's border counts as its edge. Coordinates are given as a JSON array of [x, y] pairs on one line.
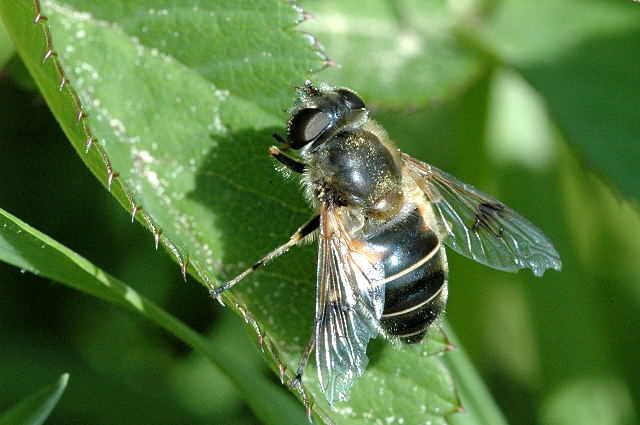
[[407, 385], [479, 406], [179, 104], [395, 53], [6, 47], [35, 409], [583, 57], [30, 250]]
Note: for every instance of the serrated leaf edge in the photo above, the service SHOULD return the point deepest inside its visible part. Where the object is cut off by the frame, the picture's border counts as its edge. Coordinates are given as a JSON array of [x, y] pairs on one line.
[[137, 211]]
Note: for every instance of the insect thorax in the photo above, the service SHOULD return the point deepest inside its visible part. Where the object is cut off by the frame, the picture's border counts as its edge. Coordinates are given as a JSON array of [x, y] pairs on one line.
[[358, 170]]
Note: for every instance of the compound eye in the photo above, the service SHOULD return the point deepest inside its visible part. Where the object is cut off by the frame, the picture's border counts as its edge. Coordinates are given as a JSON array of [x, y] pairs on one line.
[[351, 99], [305, 126]]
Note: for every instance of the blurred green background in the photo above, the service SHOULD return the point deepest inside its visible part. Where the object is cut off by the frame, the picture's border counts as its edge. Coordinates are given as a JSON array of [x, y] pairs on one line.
[[555, 120]]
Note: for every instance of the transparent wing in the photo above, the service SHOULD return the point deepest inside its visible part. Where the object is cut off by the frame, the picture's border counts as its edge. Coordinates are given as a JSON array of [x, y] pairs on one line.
[[349, 304], [481, 228]]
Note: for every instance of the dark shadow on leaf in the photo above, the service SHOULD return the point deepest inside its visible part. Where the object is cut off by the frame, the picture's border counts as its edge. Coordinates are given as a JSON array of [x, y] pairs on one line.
[[254, 209], [376, 350]]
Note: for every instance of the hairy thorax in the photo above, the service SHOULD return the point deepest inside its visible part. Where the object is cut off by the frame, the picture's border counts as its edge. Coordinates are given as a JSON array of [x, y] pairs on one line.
[[357, 169]]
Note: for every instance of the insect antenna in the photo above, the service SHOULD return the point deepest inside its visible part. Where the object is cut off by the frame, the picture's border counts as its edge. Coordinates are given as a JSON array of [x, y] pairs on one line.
[[309, 89]]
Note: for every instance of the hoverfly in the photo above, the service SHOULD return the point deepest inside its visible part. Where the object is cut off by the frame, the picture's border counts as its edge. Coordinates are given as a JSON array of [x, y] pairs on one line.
[[382, 219]]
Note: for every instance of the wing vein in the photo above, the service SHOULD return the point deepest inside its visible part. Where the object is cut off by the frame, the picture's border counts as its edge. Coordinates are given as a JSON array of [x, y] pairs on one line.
[[481, 228], [349, 303]]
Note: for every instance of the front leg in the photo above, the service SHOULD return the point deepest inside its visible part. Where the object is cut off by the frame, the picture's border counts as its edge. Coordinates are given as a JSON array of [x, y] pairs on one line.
[[287, 161]]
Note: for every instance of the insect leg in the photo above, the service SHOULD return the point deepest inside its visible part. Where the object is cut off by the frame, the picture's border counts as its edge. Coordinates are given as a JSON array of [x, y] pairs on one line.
[[290, 163], [297, 381], [303, 231], [279, 138]]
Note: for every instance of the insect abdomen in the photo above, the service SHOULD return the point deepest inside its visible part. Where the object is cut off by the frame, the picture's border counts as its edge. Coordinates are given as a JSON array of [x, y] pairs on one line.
[[415, 268]]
